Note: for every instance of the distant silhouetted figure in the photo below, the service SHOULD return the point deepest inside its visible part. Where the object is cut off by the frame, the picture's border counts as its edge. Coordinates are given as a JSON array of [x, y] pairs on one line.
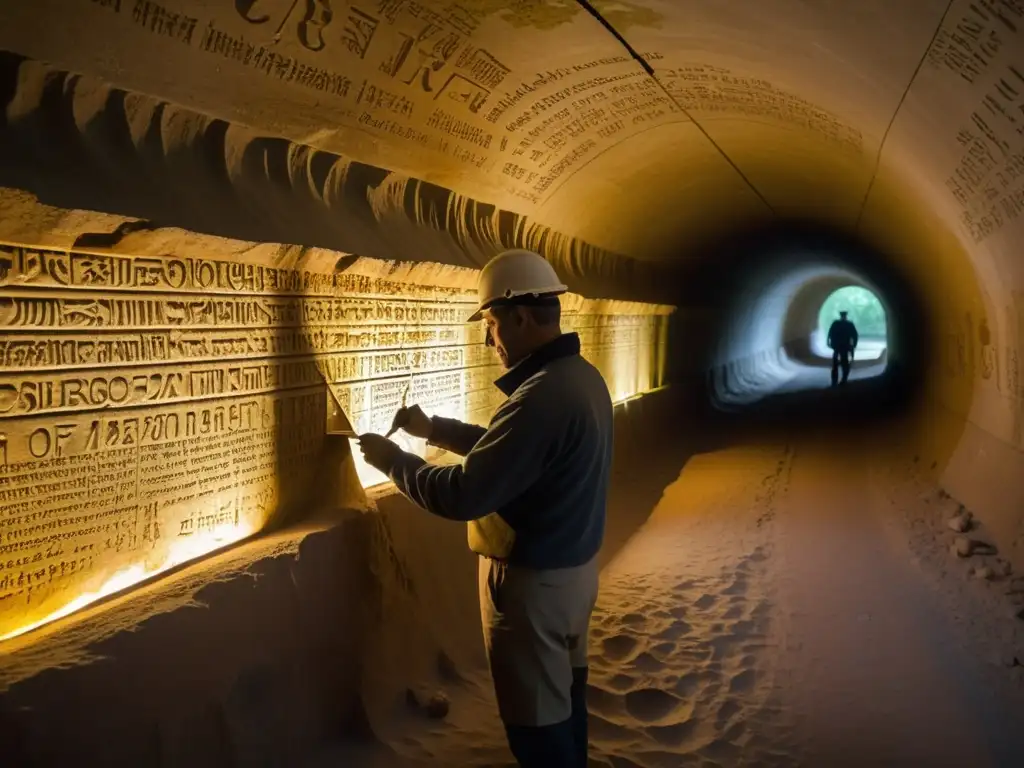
[[842, 340]]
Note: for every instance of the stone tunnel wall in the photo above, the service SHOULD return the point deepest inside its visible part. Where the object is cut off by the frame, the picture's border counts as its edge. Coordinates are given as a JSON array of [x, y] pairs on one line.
[[330, 123], [154, 409]]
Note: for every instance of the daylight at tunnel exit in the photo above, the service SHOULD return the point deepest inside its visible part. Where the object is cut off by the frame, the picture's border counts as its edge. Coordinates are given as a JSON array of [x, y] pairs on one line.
[[547, 383]]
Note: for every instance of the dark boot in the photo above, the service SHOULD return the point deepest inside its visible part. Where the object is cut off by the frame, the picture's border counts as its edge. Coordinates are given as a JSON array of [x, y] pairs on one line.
[[580, 715], [547, 746]]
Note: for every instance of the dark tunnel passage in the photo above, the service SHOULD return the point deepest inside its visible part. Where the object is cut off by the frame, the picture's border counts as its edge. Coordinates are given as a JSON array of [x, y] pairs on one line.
[[232, 233], [766, 287]]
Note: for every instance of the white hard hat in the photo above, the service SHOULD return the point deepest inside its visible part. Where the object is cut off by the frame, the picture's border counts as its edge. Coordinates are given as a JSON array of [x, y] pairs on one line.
[[514, 274]]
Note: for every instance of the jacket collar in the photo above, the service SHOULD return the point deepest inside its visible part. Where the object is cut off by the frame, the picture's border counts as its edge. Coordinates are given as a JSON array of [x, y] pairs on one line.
[[566, 345]]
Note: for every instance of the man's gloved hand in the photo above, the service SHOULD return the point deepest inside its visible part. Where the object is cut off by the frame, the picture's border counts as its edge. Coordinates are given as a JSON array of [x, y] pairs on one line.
[[379, 452]]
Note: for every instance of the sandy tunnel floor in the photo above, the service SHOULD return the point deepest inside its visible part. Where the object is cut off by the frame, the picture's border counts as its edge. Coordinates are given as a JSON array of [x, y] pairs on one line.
[[787, 605]]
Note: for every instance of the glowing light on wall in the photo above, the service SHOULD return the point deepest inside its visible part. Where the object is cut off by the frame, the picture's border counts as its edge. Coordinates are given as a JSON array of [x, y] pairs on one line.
[[626, 348], [180, 552], [153, 410]]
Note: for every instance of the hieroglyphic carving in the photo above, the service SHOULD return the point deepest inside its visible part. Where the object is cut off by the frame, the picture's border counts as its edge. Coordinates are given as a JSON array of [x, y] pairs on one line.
[[153, 409], [970, 40], [989, 355], [415, 77], [46, 268], [980, 46], [560, 124], [710, 90]]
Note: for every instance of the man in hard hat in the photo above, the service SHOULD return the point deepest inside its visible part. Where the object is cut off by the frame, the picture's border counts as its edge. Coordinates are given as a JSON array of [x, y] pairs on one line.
[[533, 487], [842, 340]]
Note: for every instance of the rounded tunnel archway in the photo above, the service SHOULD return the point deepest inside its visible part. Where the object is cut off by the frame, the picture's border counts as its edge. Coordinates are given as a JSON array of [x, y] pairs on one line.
[[865, 310], [768, 340]]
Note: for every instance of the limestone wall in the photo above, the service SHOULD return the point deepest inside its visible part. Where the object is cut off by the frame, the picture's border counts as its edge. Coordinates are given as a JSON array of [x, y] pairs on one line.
[[153, 409]]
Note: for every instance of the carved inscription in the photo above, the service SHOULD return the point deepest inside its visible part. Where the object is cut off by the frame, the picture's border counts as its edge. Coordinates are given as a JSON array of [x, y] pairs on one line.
[[411, 73], [152, 410], [85, 497], [971, 39], [979, 45], [707, 91]]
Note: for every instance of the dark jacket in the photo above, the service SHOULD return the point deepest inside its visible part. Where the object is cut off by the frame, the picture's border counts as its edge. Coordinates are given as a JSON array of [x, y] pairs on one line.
[[842, 336], [542, 463]]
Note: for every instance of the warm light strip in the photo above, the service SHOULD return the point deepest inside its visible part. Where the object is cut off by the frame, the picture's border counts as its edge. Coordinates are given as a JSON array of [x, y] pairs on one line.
[[182, 552]]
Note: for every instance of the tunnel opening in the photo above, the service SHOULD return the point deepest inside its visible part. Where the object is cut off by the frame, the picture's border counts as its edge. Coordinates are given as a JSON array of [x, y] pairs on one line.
[[866, 311], [762, 291], [816, 305]]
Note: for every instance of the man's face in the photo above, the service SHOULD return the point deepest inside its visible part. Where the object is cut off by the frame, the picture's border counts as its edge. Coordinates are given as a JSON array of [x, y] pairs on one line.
[[503, 330]]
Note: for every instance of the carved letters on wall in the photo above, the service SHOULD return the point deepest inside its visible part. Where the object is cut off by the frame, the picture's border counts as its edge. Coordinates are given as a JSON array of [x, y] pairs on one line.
[[154, 409], [425, 76], [980, 45]]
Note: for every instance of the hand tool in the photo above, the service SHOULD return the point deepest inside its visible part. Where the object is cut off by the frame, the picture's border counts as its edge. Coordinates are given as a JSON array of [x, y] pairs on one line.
[[401, 415]]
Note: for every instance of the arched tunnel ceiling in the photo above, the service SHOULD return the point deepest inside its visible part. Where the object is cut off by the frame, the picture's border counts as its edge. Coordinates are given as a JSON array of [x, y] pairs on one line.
[[901, 119], [537, 108]]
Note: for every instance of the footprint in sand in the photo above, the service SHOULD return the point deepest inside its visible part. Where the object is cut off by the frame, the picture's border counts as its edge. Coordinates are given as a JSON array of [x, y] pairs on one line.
[[618, 647], [705, 601], [605, 730], [734, 612], [649, 705], [672, 735], [674, 631], [743, 682], [758, 555], [687, 685], [605, 703], [744, 628], [722, 647], [720, 749], [726, 712], [685, 586], [645, 662], [622, 682], [678, 611], [738, 587]]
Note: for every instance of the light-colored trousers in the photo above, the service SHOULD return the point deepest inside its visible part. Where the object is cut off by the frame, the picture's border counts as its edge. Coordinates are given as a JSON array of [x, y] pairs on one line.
[[535, 631]]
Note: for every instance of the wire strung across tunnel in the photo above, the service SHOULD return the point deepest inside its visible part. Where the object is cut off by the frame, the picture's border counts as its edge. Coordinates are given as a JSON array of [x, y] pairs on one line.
[[650, 71], [899, 106]]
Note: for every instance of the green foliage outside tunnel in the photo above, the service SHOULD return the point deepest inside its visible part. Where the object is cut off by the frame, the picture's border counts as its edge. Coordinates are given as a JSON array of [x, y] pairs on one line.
[[865, 310]]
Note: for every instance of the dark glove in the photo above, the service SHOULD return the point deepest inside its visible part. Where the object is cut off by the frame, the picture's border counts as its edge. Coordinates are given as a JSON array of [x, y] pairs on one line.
[[379, 452]]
